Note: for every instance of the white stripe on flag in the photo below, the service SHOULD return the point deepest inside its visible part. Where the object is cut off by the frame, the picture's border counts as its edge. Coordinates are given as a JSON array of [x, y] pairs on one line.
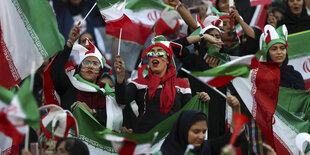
[[114, 12], [17, 38], [285, 133]]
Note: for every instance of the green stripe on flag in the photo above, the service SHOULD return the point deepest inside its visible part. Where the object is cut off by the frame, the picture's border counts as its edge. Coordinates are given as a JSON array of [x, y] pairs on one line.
[[102, 4], [295, 123], [40, 22], [29, 105], [298, 44], [295, 101], [138, 5], [92, 132], [226, 70], [6, 96]]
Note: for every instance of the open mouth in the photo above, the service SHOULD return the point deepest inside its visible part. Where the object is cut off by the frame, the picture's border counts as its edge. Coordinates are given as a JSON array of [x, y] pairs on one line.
[[296, 8], [155, 62]]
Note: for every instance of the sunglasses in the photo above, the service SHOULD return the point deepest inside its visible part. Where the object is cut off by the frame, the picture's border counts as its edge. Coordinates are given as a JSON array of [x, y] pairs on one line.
[[91, 63], [158, 54]]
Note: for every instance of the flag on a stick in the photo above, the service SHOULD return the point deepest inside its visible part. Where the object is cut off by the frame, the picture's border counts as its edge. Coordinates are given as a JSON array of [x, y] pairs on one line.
[[17, 112], [112, 12], [221, 75]]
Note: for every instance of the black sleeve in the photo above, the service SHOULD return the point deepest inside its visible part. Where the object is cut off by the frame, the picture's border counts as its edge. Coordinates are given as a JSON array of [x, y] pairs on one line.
[[300, 83], [183, 41], [218, 143], [186, 98], [60, 80], [125, 94]]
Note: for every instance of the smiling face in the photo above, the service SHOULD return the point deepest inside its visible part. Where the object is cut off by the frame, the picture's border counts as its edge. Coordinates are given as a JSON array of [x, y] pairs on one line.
[[295, 6], [197, 133], [90, 69], [158, 61], [277, 53]]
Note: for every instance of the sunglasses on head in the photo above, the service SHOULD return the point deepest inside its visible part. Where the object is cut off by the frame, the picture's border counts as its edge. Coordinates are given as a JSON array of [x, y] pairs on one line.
[[91, 63], [158, 54]]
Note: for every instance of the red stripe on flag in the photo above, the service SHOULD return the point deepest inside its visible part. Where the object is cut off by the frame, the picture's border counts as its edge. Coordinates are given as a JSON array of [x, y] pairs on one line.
[[133, 32], [128, 147], [10, 130], [48, 86], [281, 146], [9, 74], [220, 81], [119, 23], [260, 2], [266, 81]]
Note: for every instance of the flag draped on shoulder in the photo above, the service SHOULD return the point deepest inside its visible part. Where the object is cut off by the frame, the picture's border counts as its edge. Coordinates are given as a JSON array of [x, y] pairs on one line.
[[28, 32], [94, 134], [221, 75], [112, 12], [16, 112]]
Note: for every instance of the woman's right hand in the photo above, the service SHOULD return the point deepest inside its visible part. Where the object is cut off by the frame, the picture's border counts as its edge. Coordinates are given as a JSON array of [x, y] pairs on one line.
[[73, 35], [212, 61], [119, 66], [217, 42]]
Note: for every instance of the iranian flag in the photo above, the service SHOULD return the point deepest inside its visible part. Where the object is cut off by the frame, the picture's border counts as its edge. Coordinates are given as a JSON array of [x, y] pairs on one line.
[[28, 33], [16, 111], [299, 54], [288, 120], [101, 140], [143, 14], [221, 75], [112, 12]]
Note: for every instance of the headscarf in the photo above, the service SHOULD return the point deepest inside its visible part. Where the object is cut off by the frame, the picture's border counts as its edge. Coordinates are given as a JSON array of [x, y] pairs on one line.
[[290, 78], [168, 91], [177, 140], [294, 23]]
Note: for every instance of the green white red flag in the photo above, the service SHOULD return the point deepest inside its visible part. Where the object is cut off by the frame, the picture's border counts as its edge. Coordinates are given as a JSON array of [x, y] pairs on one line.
[[94, 134], [17, 112], [143, 14], [28, 33], [112, 12], [221, 75], [299, 54]]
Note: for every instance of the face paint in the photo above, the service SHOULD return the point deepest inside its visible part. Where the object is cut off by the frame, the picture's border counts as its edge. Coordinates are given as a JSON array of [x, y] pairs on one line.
[[95, 71]]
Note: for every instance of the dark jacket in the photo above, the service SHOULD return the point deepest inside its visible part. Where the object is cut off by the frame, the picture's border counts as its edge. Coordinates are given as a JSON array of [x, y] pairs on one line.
[[294, 23], [193, 62], [68, 93], [149, 110]]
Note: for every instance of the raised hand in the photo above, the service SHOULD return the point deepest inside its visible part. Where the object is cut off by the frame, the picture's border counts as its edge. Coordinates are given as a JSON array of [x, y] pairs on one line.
[[119, 66], [73, 35]]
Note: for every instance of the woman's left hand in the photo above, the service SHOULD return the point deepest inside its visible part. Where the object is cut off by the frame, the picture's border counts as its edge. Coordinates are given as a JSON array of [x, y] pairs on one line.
[[85, 106], [203, 96]]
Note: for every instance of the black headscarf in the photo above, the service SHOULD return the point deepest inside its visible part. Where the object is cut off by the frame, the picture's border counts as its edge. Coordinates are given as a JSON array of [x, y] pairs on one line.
[[294, 23], [177, 140], [289, 77]]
